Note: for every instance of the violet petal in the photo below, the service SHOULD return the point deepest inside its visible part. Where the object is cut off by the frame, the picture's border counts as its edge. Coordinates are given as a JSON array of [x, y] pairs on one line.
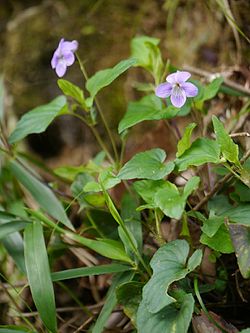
[[54, 60], [69, 58], [69, 46], [182, 76], [61, 68], [178, 97], [171, 78], [163, 90], [190, 89]]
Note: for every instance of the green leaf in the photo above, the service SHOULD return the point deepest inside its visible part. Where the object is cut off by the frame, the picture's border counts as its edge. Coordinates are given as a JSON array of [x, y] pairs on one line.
[[212, 89], [148, 188], [90, 198], [105, 77], [220, 241], [38, 119], [70, 89], [184, 143], [106, 247], [129, 295], [169, 264], [169, 200], [89, 271], [212, 225], [165, 195], [132, 219], [239, 214], [148, 164], [202, 151], [190, 186], [141, 51], [229, 149], [108, 180], [41, 193], [240, 236], [171, 319], [148, 108], [242, 191], [247, 330], [14, 246], [11, 227], [209, 91], [38, 272], [110, 301]]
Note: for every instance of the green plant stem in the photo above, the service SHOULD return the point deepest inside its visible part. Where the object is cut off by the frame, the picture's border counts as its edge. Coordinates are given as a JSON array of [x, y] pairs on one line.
[[97, 136], [94, 224], [84, 72], [158, 228], [120, 221], [210, 318]]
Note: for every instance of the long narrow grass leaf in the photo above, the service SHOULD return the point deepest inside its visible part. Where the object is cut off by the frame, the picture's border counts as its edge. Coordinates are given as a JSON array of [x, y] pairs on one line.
[[38, 273], [88, 271]]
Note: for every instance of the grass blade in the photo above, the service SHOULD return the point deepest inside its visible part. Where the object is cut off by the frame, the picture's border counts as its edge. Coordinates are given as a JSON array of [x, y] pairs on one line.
[[38, 273], [88, 271]]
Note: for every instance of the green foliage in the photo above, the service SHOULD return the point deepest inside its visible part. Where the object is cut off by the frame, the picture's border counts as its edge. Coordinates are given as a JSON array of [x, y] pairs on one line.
[[129, 295], [172, 318], [105, 77], [166, 196], [148, 108], [38, 273], [111, 301], [38, 119], [41, 193], [184, 143], [71, 90], [229, 149], [207, 92], [88, 271], [200, 152], [141, 51], [169, 264], [148, 164]]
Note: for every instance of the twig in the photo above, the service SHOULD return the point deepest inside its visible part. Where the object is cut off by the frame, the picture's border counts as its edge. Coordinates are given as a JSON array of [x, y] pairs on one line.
[[235, 135], [220, 183], [209, 75]]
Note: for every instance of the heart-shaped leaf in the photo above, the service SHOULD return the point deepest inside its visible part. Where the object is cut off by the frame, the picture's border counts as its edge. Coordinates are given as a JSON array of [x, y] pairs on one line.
[[169, 264], [148, 164]]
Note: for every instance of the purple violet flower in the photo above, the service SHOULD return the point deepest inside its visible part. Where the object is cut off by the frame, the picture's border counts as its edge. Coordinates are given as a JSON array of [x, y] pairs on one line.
[[64, 56], [177, 88]]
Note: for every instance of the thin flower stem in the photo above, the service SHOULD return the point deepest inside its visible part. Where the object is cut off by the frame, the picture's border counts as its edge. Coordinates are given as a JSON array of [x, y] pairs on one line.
[[197, 294], [97, 136], [85, 74]]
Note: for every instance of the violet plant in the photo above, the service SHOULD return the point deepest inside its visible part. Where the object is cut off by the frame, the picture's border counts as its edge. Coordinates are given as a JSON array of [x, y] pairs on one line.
[[159, 290]]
